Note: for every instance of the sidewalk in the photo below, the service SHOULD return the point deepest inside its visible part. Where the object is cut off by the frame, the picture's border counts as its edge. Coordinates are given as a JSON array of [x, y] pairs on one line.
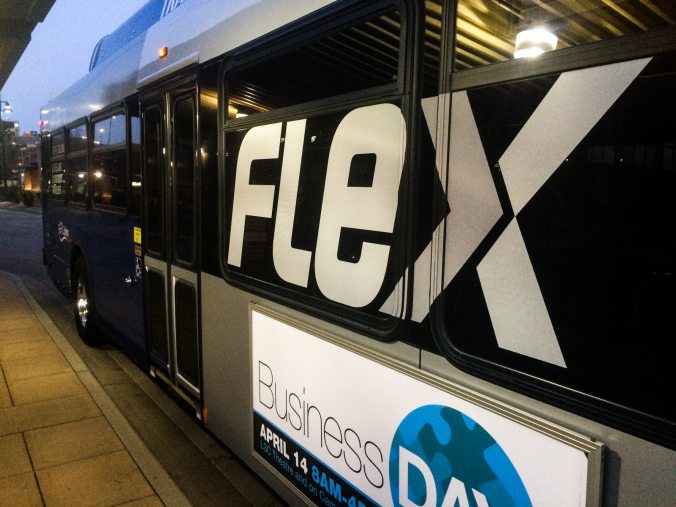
[[62, 440]]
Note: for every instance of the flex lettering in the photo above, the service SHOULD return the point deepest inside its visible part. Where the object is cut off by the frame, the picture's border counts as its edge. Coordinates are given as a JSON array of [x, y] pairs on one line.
[[377, 132]]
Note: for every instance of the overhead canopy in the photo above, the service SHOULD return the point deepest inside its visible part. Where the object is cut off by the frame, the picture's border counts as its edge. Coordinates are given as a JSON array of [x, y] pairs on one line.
[[17, 20]]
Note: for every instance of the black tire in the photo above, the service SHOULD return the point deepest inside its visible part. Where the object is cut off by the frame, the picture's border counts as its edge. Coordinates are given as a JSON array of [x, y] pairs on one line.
[[83, 305]]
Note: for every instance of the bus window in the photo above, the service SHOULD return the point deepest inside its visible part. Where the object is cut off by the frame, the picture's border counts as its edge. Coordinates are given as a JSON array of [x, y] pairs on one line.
[[109, 162], [58, 147], [492, 31], [77, 179], [77, 164], [56, 182], [184, 179], [302, 247], [154, 180], [570, 262], [56, 175], [135, 163], [360, 57]]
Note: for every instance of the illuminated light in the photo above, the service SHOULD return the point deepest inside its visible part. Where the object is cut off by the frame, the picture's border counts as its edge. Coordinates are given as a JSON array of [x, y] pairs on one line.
[[241, 115], [98, 174], [81, 175], [164, 51], [135, 183], [232, 111], [43, 123], [102, 130], [534, 42]]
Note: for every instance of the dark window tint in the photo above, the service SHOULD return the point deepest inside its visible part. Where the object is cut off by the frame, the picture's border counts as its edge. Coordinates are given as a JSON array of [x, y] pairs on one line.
[[109, 162], [187, 357], [157, 311], [135, 166], [184, 179], [77, 138], [109, 177], [353, 59], [599, 236], [154, 180], [77, 179], [110, 131], [491, 31]]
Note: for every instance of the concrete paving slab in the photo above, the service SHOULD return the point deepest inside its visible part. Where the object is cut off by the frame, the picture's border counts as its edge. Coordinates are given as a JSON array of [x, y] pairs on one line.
[[20, 491], [31, 390], [48, 413], [24, 323], [14, 458], [30, 348], [109, 479], [31, 367], [65, 443], [21, 335]]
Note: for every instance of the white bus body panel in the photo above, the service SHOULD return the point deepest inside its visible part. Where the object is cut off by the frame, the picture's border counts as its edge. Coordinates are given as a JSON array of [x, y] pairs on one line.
[[195, 32]]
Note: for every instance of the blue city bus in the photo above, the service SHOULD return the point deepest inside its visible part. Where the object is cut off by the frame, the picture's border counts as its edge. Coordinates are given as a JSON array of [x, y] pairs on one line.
[[390, 252]]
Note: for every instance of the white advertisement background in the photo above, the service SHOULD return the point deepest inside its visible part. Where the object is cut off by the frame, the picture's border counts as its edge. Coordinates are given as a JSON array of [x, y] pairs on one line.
[[373, 399]]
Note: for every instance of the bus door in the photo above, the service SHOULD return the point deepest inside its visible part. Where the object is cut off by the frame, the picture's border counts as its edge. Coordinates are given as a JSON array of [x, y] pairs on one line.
[[171, 255]]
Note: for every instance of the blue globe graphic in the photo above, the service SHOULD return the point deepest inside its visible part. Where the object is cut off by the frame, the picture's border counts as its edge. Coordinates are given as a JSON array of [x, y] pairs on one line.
[[453, 446]]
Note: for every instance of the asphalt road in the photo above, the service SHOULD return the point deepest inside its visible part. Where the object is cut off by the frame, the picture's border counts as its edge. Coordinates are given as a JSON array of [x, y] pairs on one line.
[[206, 472]]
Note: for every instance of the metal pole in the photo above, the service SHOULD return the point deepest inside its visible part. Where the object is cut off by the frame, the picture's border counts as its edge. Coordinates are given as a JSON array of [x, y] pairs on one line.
[[3, 104], [2, 141]]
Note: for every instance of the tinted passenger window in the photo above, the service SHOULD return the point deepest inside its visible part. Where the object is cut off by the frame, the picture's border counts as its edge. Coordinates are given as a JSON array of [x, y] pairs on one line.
[[184, 179], [77, 138], [77, 179], [282, 185], [135, 165], [353, 59], [154, 179], [109, 162], [110, 131], [495, 31]]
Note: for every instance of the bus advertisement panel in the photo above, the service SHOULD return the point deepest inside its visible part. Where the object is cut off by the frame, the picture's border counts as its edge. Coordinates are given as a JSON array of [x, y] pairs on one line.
[[346, 429]]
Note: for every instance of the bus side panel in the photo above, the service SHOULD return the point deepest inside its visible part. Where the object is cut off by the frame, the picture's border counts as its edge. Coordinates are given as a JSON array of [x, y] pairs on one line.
[[59, 239], [227, 372], [106, 241], [115, 276]]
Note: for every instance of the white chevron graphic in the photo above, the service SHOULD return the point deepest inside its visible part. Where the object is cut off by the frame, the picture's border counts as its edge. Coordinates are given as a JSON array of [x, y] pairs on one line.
[[576, 102]]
